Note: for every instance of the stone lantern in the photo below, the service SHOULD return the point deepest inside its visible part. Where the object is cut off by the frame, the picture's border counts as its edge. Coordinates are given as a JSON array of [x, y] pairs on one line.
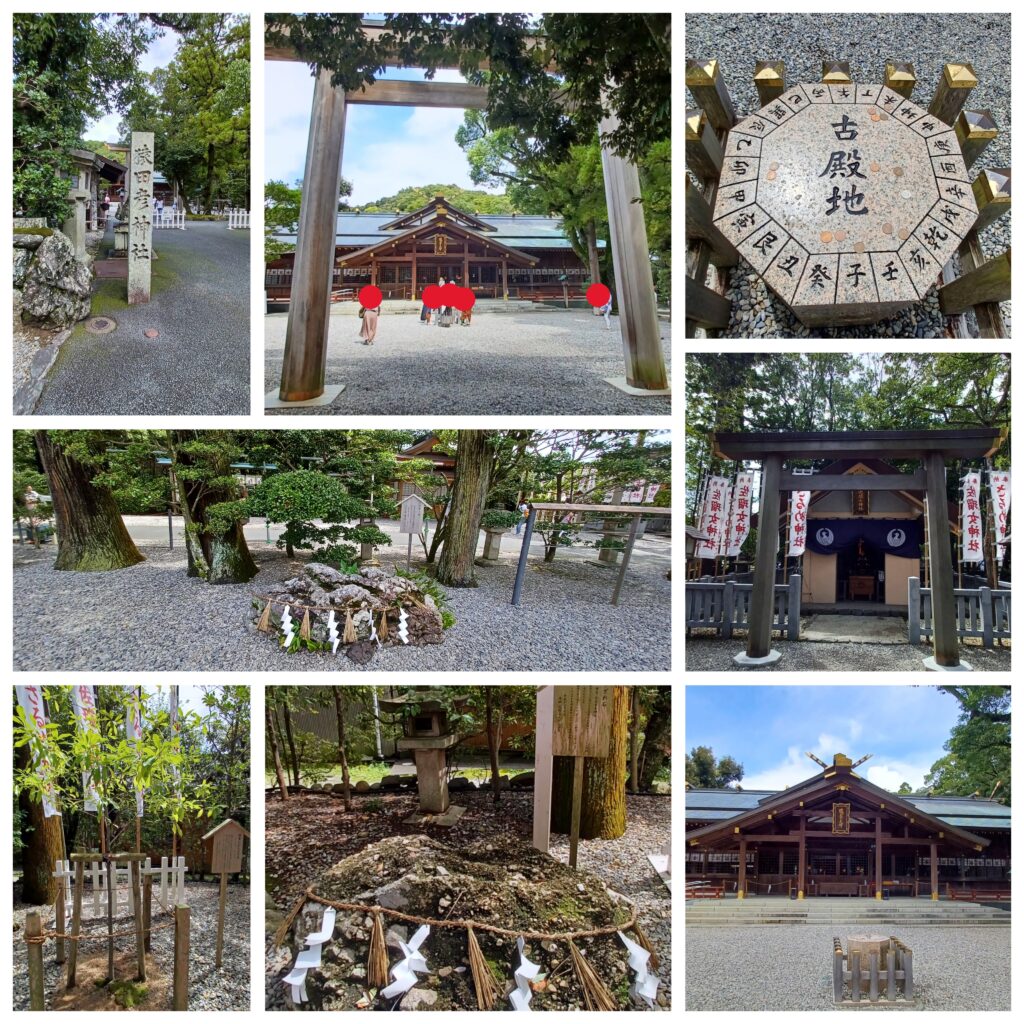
[[427, 734]]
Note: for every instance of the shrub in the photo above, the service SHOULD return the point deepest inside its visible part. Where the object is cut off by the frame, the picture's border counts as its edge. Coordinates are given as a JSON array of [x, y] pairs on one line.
[[499, 519]]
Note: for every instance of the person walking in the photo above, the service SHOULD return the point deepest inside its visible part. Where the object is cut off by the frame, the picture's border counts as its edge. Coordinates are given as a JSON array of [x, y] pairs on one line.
[[158, 207], [524, 511], [606, 312], [369, 329]]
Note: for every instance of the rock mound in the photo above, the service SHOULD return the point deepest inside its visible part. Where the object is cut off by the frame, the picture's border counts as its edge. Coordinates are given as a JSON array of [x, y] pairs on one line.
[[367, 596], [504, 882]]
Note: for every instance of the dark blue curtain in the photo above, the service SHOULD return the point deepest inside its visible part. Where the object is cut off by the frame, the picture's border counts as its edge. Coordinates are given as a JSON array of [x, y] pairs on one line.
[[897, 536]]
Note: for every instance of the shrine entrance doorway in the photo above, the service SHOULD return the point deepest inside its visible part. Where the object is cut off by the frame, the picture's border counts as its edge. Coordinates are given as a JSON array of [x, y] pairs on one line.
[[860, 573]]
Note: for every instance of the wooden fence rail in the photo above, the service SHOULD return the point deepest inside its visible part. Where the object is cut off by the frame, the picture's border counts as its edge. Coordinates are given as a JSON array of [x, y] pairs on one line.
[[725, 607], [980, 612], [888, 973]]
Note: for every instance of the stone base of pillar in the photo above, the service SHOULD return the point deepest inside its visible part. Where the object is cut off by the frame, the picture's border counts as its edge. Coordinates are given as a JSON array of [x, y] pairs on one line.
[[935, 895], [623, 385], [745, 661], [800, 894], [878, 894], [273, 400], [933, 666], [740, 894]]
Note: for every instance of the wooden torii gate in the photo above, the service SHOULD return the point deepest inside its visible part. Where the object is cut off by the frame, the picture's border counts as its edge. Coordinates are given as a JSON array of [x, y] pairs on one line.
[[305, 351], [929, 447]]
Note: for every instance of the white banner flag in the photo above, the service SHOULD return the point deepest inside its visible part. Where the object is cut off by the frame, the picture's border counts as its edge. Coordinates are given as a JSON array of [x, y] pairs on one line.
[[31, 700], [970, 519], [723, 540], [999, 484], [798, 502], [84, 702], [133, 733], [739, 518], [713, 518]]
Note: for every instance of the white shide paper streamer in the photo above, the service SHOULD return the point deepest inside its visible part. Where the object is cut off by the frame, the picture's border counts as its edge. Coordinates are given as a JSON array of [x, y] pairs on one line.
[[646, 982], [404, 972], [521, 995]]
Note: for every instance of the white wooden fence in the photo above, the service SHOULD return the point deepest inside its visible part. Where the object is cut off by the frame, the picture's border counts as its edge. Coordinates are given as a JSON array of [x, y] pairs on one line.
[[725, 607], [238, 219], [174, 219], [168, 886], [980, 612]]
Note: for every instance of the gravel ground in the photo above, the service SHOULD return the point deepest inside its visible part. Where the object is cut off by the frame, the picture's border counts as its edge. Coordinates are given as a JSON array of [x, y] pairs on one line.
[[623, 865], [209, 989], [534, 363], [200, 362], [712, 654], [803, 41], [758, 969], [83, 621]]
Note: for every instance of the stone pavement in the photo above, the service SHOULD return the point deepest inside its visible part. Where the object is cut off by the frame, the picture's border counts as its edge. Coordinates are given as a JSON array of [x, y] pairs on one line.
[[198, 364], [867, 629], [534, 363]]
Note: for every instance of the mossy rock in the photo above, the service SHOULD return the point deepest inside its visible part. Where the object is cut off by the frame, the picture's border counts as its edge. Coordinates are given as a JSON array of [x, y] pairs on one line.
[[45, 232]]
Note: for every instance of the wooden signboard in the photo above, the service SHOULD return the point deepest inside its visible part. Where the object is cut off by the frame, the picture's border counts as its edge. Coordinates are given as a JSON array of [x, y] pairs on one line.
[[583, 721], [226, 856], [582, 728], [412, 514]]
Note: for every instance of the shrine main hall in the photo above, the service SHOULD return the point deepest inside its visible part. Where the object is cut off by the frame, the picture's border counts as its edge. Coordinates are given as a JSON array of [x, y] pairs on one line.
[[836, 834], [498, 257]]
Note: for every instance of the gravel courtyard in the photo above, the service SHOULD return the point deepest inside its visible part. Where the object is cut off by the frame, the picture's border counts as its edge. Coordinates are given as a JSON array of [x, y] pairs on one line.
[[209, 988], [198, 365], [712, 654], [151, 616], [550, 363], [776, 968], [867, 41]]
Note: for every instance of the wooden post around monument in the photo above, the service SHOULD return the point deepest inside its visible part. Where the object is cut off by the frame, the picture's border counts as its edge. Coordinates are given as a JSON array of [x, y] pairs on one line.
[[975, 129], [900, 77], [140, 930], [769, 80], [147, 913], [181, 949], [577, 808], [955, 85], [543, 761], [36, 977], [220, 918], [707, 87]]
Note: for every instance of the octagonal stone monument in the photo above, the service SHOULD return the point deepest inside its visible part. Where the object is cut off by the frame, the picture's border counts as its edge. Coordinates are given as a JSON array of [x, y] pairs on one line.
[[846, 199]]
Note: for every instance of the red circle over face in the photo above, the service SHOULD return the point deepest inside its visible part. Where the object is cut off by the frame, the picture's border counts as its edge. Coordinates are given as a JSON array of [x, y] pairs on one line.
[[465, 300], [598, 294], [450, 294], [432, 296], [370, 296]]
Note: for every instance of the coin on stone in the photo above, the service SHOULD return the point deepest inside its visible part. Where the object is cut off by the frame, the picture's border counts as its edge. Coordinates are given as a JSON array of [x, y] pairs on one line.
[[840, 236], [770, 175], [898, 171], [876, 167], [904, 234], [886, 228], [826, 236], [859, 247]]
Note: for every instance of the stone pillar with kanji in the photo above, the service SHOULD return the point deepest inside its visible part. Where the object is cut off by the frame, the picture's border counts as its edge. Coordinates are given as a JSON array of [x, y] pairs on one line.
[[140, 225]]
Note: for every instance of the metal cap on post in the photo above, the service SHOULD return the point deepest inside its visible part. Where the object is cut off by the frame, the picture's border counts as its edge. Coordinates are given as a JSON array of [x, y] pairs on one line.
[[900, 77], [707, 87], [975, 129], [769, 80], [992, 194], [835, 72], [955, 85], [703, 150]]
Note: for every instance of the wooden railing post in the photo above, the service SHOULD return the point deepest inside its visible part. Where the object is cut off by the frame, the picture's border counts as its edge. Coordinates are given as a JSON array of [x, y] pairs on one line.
[[703, 150], [992, 194], [181, 946], [793, 615], [705, 307], [135, 881], [855, 975], [147, 913], [728, 608], [955, 85], [914, 610], [769, 80], [699, 225], [987, 618], [707, 87], [975, 129], [61, 956], [989, 282], [76, 921], [900, 77], [36, 978], [837, 970]]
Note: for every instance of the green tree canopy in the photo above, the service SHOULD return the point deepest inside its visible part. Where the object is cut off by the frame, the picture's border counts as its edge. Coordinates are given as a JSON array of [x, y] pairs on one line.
[[705, 771]]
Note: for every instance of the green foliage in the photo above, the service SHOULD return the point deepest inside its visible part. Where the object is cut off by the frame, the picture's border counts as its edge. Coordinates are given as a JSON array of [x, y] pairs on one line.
[[499, 519], [128, 994], [705, 771], [428, 585], [281, 206], [44, 232], [978, 749], [413, 198]]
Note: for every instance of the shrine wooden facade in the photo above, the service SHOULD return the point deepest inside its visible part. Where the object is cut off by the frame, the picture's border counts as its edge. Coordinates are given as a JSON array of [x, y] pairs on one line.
[[836, 834], [932, 449], [498, 257]]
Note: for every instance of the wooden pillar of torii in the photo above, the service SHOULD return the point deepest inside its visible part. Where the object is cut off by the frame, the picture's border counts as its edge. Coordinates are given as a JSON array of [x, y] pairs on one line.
[[305, 354]]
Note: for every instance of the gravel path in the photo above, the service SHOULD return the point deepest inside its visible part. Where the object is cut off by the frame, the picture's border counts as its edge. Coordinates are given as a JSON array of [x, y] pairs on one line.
[[209, 988], [533, 363], [153, 617], [791, 968], [623, 865], [712, 654], [200, 362], [803, 41]]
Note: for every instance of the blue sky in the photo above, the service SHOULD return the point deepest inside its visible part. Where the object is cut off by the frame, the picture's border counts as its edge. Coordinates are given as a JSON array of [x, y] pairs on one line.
[[768, 728], [386, 148]]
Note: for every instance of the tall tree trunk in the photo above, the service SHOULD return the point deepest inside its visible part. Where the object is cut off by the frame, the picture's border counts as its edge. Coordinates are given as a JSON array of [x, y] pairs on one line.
[[604, 783], [208, 189], [492, 743], [91, 536], [469, 491], [287, 715], [282, 782], [657, 737], [634, 739], [592, 253], [42, 845], [222, 557], [339, 710]]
